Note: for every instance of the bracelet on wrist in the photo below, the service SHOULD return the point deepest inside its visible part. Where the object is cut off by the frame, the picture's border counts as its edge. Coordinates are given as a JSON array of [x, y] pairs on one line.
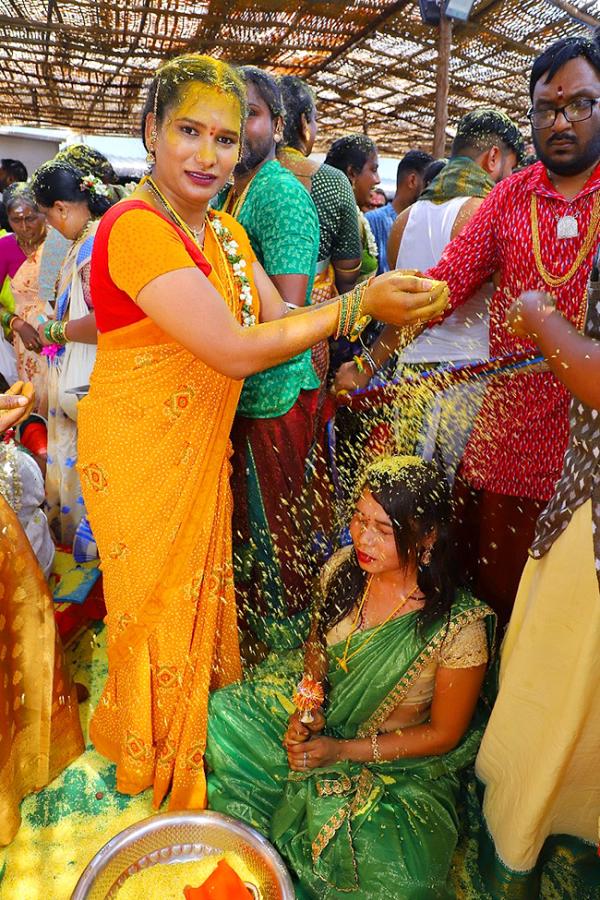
[[55, 332], [351, 320], [375, 747]]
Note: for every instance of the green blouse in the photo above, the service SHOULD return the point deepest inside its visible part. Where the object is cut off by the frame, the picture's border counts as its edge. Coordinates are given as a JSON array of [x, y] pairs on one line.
[[281, 221]]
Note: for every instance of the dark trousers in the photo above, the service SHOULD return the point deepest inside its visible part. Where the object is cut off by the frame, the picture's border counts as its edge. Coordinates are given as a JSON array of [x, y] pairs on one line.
[[493, 533]]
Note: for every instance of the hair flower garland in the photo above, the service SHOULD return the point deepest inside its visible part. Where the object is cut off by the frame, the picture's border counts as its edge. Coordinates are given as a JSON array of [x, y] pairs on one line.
[[238, 267], [93, 185]]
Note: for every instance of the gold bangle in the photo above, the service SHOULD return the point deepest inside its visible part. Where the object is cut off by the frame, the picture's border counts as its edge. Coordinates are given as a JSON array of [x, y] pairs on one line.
[[349, 271], [342, 313], [360, 321], [374, 744]]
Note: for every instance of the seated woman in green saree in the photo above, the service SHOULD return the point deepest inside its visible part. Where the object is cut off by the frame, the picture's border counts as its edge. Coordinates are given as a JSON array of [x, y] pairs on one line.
[[363, 799]]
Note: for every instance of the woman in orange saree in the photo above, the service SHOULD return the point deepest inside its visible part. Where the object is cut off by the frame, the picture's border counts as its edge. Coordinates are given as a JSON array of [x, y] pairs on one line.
[[176, 293]]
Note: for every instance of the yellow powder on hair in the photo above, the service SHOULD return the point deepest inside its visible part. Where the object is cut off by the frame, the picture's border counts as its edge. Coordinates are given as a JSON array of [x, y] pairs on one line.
[[167, 881]]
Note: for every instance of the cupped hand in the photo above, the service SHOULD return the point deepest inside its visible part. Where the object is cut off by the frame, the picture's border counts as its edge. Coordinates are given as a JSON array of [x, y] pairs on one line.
[[527, 311], [28, 335], [298, 732], [401, 299], [314, 754], [16, 404], [348, 378]]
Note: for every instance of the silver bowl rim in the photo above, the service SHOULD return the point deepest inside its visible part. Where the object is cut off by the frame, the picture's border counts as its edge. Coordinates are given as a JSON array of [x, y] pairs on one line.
[[154, 823]]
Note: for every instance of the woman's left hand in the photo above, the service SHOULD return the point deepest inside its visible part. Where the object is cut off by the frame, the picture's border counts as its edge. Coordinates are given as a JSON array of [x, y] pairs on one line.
[[314, 754]]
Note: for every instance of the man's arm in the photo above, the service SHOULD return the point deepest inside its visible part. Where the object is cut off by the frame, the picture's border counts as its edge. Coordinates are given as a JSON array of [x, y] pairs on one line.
[[395, 237], [468, 261], [574, 358]]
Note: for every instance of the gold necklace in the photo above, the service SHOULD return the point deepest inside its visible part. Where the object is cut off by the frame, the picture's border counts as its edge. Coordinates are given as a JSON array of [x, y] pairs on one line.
[[345, 658], [34, 247], [195, 234], [292, 151], [558, 280], [234, 207]]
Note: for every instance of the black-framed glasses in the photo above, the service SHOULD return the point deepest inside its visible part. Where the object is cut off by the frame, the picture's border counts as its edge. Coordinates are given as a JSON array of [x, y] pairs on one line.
[[577, 110]]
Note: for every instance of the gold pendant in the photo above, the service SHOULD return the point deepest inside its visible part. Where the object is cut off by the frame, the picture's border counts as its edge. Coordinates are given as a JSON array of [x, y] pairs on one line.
[[567, 227], [342, 664]]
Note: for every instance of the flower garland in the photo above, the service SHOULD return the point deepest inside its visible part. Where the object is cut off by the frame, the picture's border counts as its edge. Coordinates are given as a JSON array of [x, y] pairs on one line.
[[371, 242], [93, 186], [238, 266]]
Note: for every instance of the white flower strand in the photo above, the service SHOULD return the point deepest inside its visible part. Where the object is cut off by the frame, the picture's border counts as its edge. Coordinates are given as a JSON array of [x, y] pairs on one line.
[[238, 265]]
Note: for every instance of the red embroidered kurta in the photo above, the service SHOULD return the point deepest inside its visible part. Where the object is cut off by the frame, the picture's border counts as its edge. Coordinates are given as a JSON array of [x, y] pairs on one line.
[[520, 436]]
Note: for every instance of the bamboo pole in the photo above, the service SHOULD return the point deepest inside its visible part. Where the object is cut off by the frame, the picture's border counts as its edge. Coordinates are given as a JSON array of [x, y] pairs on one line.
[[442, 83], [579, 14]]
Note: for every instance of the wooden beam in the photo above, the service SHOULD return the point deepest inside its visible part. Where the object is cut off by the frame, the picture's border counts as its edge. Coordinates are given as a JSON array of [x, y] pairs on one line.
[[571, 10], [365, 32], [442, 85]]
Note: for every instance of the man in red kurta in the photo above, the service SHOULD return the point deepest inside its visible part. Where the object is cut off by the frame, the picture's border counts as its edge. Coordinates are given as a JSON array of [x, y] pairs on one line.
[[537, 229]]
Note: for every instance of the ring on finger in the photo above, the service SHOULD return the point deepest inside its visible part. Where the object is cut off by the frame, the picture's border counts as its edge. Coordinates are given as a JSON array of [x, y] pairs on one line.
[[305, 759]]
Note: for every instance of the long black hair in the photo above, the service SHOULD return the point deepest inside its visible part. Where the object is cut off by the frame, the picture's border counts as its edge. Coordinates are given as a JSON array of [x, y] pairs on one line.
[[298, 100], [416, 497], [59, 180]]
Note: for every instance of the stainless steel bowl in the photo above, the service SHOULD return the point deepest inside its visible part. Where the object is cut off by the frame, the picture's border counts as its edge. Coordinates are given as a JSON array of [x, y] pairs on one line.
[[183, 837], [80, 392]]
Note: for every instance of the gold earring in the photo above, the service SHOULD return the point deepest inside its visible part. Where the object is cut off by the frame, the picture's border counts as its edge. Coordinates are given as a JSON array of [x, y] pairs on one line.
[[426, 557], [151, 154]]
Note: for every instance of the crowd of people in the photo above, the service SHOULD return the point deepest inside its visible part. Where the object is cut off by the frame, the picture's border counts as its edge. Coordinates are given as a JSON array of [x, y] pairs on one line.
[[315, 651]]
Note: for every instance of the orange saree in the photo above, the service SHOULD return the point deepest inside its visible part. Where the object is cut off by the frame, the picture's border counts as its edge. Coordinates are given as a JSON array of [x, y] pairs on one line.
[[154, 462], [40, 732]]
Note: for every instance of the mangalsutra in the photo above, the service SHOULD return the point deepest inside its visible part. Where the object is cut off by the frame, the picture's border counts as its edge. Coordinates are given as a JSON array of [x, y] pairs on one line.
[[196, 234], [345, 658]]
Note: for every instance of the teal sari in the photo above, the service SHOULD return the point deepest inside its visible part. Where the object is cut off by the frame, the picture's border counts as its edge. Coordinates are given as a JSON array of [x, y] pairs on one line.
[[365, 829]]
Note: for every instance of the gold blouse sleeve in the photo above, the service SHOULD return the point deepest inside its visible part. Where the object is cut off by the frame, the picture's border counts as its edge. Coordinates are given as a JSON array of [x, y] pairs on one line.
[[466, 649]]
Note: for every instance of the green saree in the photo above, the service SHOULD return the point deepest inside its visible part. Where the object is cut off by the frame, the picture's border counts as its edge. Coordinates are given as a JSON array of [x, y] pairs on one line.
[[371, 830]]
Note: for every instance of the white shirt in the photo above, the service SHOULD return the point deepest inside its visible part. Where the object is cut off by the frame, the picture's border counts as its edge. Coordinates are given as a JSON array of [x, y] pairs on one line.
[[464, 335]]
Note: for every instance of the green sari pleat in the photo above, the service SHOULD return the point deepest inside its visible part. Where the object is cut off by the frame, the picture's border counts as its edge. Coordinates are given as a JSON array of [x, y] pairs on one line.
[[349, 828]]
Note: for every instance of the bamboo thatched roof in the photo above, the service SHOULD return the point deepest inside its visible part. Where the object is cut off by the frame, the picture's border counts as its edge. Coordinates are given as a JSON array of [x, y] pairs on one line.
[[84, 64]]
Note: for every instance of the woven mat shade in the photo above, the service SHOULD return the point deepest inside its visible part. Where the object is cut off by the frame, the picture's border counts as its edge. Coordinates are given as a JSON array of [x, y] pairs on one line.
[[84, 64]]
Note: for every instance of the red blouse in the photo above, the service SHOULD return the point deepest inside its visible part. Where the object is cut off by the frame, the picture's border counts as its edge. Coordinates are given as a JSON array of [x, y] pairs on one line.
[[135, 244]]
